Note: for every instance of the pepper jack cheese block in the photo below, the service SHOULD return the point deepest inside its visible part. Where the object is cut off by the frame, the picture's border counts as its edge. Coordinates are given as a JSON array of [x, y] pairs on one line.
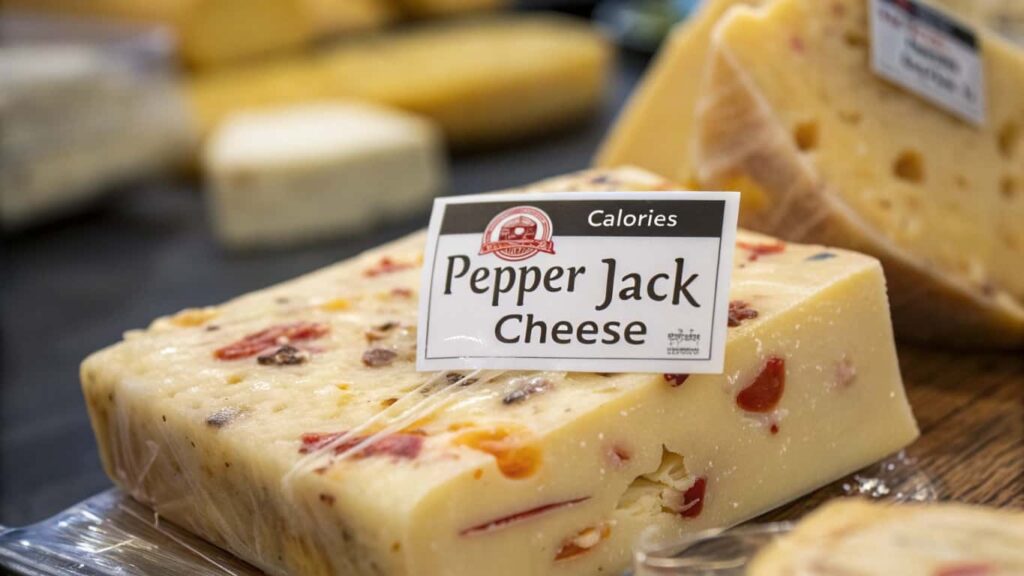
[[844, 158], [290, 427], [483, 81], [655, 129], [310, 171], [857, 538]]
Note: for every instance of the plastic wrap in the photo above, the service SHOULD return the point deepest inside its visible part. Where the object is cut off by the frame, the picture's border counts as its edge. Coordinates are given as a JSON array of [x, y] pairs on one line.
[[112, 534], [727, 553]]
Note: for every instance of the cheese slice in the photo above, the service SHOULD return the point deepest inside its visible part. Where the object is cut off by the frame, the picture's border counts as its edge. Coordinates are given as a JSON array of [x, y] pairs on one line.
[[290, 427], [310, 171], [655, 129], [844, 158], [212, 33], [482, 81], [854, 537]]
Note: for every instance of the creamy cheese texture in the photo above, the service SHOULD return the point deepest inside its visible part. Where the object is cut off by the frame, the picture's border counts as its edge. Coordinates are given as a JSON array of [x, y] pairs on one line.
[[289, 425], [842, 157], [304, 172], [858, 538], [482, 80]]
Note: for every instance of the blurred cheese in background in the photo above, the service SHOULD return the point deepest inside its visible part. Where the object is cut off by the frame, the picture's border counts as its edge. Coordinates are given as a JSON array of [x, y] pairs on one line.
[[214, 32], [421, 8], [77, 119], [1005, 17], [844, 158], [853, 536], [483, 81], [311, 171], [217, 32], [655, 129]]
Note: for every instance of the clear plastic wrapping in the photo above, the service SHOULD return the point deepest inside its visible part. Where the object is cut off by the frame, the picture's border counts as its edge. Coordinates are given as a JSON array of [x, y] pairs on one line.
[[112, 534], [289, 427]]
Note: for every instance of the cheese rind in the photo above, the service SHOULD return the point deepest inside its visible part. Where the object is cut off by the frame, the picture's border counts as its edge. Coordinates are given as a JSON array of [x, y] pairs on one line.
[[223, 419], [858, 537], [483, 81], [655, 129], [311, 171], [844, 158]]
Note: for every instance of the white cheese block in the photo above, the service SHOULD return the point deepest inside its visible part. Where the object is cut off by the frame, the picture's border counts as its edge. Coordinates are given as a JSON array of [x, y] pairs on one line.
[[290, 426], [854, 537], [839, 156], [287, 175], [76, 121]]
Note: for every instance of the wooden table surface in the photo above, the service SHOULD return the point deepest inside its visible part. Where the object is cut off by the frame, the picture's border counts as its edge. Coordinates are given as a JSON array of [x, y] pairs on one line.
[[970, 408]]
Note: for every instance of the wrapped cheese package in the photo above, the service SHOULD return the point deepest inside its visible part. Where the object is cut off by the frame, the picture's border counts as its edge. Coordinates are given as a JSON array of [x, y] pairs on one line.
[[290, 427]]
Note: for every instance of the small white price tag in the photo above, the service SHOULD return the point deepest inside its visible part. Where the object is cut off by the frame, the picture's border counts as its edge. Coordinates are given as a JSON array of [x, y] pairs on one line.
[[579, 281], [929, 53]]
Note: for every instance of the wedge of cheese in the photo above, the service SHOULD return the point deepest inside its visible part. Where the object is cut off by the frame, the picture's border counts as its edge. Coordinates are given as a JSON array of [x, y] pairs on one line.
[[307, 172], [290, 427], [845, 158], [215, 32], [483, 81], [655, 129], [855, 537]]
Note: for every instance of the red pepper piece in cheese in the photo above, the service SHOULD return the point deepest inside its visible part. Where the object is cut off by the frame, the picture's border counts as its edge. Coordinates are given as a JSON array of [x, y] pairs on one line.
[[280, 335], [399, 445], [504, 521], [763, 394], [693, 499]]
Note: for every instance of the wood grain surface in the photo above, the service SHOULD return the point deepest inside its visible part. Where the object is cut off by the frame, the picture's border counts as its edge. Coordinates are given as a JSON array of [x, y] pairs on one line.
[[970, 408]]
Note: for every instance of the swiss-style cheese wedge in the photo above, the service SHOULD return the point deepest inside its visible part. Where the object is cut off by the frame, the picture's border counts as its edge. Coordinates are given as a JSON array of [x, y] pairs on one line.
[[842, 157], [655, 129], [482, 81], [290, 427], [854, 537]]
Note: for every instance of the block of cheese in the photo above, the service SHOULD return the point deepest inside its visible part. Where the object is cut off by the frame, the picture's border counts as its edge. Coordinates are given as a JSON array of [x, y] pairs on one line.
[[311, 171], [290, 427], [483, 81], [854, 537], [76, 121], [847, 159], [216, 32], [655, 129]]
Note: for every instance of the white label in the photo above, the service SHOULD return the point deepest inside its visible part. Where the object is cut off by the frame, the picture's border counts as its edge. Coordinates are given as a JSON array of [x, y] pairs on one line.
[[578, 281], [930, 54]]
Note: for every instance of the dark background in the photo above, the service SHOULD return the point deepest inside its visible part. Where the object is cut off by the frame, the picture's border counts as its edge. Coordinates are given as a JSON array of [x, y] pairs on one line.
[[74, 286]]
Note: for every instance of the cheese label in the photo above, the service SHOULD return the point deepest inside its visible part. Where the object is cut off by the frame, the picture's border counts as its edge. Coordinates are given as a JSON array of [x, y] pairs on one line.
[[929, 53], [578, 281]]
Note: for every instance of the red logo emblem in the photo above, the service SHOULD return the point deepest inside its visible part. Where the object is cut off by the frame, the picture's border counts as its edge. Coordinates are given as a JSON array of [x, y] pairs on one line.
[[518, 233]]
